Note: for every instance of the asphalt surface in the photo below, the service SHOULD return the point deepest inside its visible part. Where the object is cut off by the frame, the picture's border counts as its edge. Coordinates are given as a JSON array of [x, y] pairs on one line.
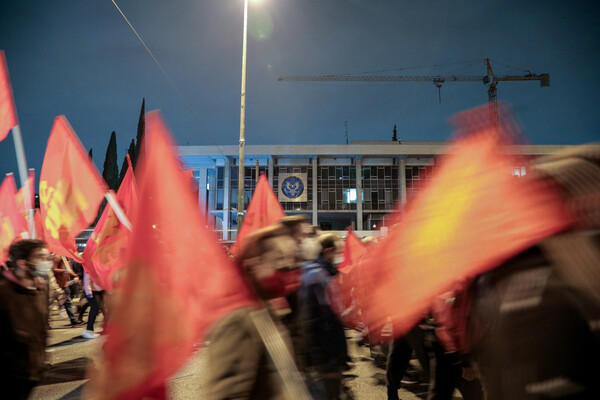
[[69, 354]]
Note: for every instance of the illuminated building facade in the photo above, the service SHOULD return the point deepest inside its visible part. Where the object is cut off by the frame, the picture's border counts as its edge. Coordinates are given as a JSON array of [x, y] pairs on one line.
[[336, 186]]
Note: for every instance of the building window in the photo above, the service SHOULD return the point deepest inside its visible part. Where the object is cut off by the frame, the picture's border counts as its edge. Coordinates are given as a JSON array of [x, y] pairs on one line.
[[335, 188], [417, 178], [519, 171], [380, 187]]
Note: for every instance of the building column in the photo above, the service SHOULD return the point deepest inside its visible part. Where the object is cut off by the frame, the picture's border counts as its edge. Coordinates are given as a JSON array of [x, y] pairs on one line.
[[359, 197], [202, 195], [402, 176], [226, 198], [270, 170], [212, 190], [315, 192]]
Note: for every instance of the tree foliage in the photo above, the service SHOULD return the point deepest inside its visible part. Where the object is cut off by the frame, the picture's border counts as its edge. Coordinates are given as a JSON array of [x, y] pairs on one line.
[[140, 133], [110, 173], [124, 166]]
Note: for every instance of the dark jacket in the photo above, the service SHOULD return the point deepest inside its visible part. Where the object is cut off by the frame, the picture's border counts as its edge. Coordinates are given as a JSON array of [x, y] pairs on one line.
[[23, 330], [323, 331], [239, 366], [534, 335]]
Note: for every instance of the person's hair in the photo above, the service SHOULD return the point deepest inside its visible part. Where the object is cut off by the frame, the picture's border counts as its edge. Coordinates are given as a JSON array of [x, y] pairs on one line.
[[23, 249], [369, 240], [292, 221], [255, 242], [328, 240]]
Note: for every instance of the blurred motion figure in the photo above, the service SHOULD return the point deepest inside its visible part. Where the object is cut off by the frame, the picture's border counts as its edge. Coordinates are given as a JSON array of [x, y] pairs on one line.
[[535, 321], [23, 317]]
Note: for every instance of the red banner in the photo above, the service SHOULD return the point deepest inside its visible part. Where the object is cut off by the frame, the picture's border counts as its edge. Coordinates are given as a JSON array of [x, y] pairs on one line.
[[105, 250], [473, 216], [176, 283], [71, 189], [8, 111], [264, 210], [346, 284], [12, 223]]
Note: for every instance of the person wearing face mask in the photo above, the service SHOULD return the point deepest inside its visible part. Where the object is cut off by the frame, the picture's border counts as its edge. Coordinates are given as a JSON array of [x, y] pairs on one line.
[[238, 360], [23, 317], [326, 350], [308, 249]]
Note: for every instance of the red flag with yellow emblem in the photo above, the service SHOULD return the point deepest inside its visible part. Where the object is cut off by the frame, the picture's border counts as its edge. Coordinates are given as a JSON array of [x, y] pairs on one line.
[[8, 111], [12, 223], [71, 189], [473, 216], [176, 282], [264, 210], [105, 250]]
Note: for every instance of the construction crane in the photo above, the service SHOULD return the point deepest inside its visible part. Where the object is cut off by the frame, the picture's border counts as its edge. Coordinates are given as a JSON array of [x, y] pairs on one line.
[[490, 80]]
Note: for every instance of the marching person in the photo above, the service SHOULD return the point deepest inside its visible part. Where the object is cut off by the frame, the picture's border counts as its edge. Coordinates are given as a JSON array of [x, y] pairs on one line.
[[23, 317], [64, 278], [95, 298], [239, 366], [326, 350]]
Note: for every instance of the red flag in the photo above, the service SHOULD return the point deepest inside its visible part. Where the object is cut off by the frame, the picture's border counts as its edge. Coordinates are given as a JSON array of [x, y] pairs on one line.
[[264, 210], [12, 223], [354, 250], [30, 183], [71, 189], [177, 281], [105, 249], [8, 111], [39, 226], [189, 173], [472, 217], [346, 284]]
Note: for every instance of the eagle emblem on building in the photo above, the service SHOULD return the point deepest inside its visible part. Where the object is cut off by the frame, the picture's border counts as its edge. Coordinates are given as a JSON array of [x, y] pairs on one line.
[[292, 187]]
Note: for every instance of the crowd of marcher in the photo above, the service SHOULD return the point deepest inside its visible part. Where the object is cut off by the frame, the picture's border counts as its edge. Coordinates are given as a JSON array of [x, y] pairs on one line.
[[527, 329]]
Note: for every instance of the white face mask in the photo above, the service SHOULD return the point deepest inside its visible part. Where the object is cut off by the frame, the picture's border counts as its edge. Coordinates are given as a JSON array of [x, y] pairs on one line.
[[309, 249], [338, 260], [41, 269]]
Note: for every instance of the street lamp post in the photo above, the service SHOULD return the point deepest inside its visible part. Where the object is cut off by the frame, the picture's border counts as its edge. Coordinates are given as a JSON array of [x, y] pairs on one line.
[[240, 197]]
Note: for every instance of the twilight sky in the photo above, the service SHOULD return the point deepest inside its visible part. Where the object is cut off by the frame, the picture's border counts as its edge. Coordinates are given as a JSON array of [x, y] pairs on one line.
[[79, 58]]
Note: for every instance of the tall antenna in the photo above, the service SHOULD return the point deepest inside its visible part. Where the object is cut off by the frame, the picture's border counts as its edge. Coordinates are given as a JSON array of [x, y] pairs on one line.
[[346, 126]]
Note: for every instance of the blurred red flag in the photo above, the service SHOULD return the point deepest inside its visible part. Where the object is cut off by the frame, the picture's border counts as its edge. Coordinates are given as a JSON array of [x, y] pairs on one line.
[[348, 279], [194, 184], [105, 250], [264, 210], [71, 189], [176, 283], [12, 223], [30, 182], [473, 216], [39, 226], [354, 250], [8, 111]]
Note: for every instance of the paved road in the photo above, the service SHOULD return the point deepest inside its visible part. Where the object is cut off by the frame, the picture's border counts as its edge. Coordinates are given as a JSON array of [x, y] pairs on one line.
[[69, 353]]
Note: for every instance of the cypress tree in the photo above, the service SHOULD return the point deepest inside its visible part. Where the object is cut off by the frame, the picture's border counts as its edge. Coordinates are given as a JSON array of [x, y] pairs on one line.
[[111, 169], [395, 135], [131, 152], [140, 133]]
